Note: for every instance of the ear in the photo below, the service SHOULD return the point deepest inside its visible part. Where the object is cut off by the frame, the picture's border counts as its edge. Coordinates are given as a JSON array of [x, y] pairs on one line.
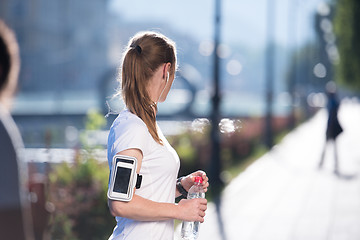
[[166, 70]]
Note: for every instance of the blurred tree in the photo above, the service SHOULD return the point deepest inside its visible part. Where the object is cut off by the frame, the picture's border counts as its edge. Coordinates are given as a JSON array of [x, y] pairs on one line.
[[301, 80], [94, 120], [78, 191], [347, 30], [302, 68]]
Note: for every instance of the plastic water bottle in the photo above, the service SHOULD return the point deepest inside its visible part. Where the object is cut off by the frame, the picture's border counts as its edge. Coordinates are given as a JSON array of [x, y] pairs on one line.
[[190, 230]]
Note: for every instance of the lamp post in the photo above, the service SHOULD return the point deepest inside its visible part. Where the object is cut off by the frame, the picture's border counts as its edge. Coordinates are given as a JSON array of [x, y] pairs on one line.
[[270, 52], [215, 167], [292, 59]]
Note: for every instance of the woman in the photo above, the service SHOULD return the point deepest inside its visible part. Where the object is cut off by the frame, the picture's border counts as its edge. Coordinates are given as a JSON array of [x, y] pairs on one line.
[[148, 71], [333, 128]]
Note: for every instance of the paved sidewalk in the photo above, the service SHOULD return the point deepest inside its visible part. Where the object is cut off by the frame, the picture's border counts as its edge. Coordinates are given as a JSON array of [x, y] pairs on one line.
[[283, 196]]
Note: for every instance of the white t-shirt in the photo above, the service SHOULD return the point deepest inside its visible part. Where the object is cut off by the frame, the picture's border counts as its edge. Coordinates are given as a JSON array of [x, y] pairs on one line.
[[159, 168]]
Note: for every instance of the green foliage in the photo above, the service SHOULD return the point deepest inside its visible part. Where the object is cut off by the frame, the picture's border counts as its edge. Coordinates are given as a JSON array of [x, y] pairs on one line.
[[94, 120], [78, 191], [239, 148], [194, 147], [62, 228], [193, 150], [347, 29]]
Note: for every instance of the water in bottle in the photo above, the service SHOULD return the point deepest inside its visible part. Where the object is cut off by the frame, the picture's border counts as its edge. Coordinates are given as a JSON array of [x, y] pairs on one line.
[[190, 230]]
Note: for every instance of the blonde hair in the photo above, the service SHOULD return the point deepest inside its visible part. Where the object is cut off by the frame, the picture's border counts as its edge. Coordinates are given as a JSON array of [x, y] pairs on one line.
[[145, 52]]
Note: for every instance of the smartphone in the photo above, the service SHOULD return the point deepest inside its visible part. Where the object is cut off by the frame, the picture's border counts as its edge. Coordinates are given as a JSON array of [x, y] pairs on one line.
[[123, 179]]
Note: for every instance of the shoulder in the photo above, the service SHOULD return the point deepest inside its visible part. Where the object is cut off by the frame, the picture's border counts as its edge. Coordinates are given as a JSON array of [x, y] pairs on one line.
[[9, 129], [127, 126], [127, 121], [128, 131], [7, 143]]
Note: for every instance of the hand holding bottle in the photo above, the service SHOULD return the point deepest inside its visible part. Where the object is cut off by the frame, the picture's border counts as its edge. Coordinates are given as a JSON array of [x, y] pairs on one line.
[[192, 209], [190, 229], [189, 180]]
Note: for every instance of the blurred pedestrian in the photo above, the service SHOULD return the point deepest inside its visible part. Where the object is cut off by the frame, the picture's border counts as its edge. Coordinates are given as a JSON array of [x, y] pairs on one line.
[[148, 71], [15, 217], [24, 210], [333, 128]]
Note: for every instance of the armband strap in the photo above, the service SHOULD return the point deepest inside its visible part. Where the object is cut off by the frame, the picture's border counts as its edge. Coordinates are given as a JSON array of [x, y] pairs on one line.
[[138, 181], [180, 187]]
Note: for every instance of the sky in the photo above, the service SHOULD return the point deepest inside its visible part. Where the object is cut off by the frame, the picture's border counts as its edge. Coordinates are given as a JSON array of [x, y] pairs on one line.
[[242, 20]]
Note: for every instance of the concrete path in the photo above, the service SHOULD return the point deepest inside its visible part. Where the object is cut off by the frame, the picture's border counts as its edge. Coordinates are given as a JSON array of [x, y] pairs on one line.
[[283, 196]]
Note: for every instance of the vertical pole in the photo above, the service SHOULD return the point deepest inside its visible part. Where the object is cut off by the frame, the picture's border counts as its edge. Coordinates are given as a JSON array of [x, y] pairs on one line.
[[292, 60], [215, 167], [269, 72]]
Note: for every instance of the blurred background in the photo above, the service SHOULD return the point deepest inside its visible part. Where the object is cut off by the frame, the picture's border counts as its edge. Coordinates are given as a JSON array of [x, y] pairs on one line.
[[257, 69]]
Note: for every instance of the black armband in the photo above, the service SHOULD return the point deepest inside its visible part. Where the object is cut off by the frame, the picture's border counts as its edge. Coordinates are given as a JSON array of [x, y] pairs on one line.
[[180, 187], [138, 181]]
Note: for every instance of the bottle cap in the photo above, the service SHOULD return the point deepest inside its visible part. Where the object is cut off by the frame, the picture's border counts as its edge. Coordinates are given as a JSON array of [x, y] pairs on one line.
[[198, 179]]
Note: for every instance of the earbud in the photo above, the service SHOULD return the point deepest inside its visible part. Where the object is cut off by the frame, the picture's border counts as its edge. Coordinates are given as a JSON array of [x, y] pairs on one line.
[[168, 75]]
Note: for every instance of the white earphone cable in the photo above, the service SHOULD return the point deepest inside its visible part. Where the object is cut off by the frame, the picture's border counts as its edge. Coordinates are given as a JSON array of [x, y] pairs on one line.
[[167, 79]]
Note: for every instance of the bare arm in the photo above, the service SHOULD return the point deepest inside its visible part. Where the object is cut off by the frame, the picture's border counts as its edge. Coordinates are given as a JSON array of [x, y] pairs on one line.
[[143, 209]]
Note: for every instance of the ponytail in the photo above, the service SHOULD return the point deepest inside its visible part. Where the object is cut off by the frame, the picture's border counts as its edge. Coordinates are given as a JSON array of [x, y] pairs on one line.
[[144, 54]]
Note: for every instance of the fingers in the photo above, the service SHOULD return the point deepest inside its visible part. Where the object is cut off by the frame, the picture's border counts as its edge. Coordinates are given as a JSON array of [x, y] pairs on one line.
[[193, 209], [201, 219], [201, 206], [202, 201], [200, 173], [201, 216], [205, 186], [205, 182]]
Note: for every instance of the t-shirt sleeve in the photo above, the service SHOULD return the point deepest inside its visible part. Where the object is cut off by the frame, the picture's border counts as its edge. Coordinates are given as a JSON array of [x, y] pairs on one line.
[[129, 135]]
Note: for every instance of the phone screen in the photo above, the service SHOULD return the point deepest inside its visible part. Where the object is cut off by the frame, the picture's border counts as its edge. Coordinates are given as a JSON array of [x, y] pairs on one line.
[[122, 180]]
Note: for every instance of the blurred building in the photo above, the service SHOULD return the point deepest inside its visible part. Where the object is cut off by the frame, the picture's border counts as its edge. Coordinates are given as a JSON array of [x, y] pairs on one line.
[[62, 42], [63, 47], [70, 51]]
